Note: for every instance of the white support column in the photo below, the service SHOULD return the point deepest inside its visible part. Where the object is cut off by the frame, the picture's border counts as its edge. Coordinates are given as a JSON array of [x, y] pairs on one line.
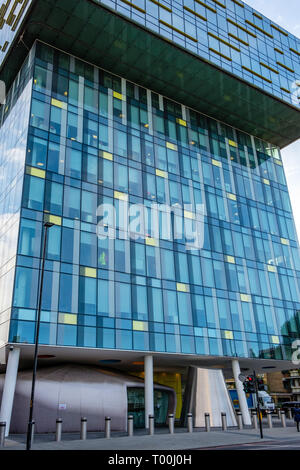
[[149, 390], [240, 392], [9, 387]]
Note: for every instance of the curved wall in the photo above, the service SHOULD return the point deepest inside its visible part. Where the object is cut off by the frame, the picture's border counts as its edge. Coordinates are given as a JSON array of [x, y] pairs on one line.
[[72, 391]]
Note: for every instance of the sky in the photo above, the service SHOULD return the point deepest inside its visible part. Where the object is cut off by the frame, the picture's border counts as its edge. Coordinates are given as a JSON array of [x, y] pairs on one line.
[[286, 13]]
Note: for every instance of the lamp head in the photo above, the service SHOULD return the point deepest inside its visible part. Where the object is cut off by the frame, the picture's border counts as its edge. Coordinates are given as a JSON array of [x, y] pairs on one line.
[[48, 224]]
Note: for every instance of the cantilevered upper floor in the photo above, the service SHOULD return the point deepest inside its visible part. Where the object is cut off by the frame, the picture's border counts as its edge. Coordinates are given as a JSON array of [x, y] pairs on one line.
[[220, 57]]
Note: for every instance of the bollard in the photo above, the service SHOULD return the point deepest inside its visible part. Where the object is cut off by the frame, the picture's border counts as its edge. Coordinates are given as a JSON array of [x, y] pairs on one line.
[[32, 430], [130, 426], [207, 422], [269, 417], [283, 419], [239, 420], [224, 421], [254, 419], [190, 422], [2, 433], [107, 427], [171, 424], [83, 429], [290, 415], [278, 413], [58, 429], [151, 425]]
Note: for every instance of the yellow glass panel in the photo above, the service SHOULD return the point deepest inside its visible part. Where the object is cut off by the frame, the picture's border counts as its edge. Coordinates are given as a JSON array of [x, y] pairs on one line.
[[230, 259], [285, 67], [133, 6], [119, 96], [232, 143], [284, 241], [272, 269], [216, 163], [161, 173], [67, 318], [181, 122], [189, 215], [266, 181], [30, 170], [278, 162], [54, 219], [121, 196], [107, 155], [139, 326], [171, 146], [151, 241], [58, 104], [220, 54], [88, 272], [178, 30], [182, 287], [231, 196], [228, 334], [245, 298], [275, 340]]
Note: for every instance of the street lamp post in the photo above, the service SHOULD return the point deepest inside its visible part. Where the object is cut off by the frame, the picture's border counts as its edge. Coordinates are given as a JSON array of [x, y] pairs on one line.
[[47, 225]]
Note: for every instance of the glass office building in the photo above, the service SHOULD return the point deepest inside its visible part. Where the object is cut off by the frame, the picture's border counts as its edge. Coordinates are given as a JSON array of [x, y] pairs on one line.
[[197, 122], [93, 138]]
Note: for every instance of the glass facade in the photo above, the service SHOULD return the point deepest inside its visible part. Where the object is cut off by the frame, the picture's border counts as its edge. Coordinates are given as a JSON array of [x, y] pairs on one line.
[[228, 33], [95, 138], [14, 118]]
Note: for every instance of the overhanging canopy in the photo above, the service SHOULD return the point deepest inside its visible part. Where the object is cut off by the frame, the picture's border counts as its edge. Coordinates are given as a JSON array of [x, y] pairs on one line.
[[98, 35]]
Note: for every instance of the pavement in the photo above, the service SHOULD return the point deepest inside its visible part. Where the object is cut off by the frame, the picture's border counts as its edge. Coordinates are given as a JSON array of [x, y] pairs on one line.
[[163, 440]]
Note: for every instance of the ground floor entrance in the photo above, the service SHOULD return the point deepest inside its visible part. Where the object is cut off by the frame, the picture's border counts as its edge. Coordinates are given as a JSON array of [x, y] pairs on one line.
[[136, 406]]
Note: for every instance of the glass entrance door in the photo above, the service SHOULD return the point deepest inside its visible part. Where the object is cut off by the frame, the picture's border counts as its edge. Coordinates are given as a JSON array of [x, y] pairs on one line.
[[136, 406]]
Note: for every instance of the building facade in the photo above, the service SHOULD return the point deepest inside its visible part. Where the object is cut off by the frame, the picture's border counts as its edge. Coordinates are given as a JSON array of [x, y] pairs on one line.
[[291, 384], [173, 236]]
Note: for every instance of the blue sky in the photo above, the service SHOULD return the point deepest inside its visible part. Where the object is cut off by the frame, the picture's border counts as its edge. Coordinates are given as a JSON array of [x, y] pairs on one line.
[[286, 13]]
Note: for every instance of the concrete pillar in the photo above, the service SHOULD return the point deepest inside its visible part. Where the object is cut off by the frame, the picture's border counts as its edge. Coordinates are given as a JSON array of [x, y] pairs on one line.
[[240, 392], [9, 387], [149, 390]]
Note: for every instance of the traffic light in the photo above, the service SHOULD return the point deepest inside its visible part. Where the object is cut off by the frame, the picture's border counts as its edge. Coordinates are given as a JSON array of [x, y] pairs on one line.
[[260, 384], [249, 384]]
